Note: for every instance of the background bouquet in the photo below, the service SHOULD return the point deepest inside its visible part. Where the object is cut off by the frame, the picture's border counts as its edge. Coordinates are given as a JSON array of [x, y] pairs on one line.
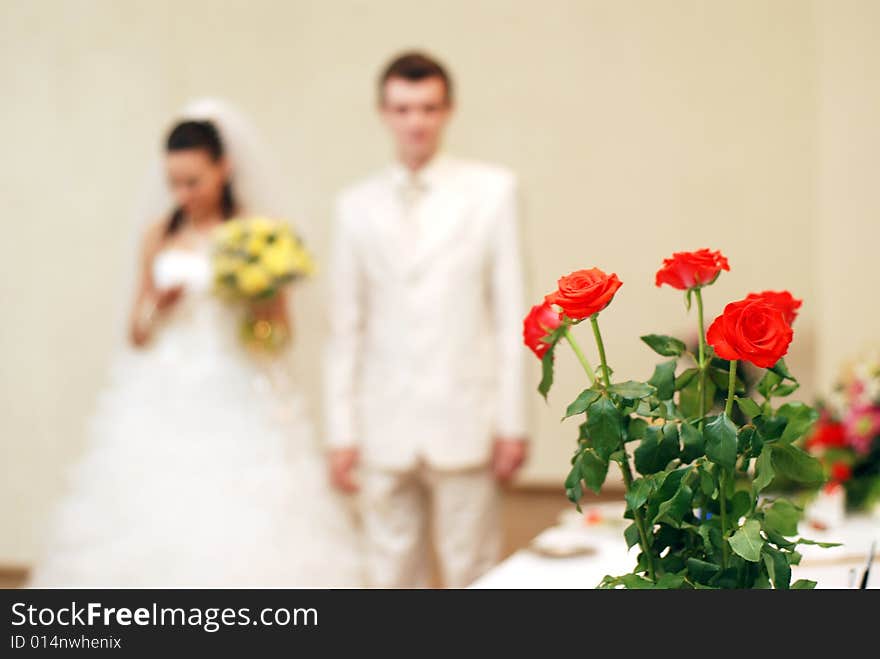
[[846, 438]]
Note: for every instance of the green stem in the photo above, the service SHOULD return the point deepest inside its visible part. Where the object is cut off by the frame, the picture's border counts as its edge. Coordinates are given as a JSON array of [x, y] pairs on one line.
[[594, 320], [722, 498], [580, 355], [722, 481], [731, 389], [637, 518], [701, 383], [624, 463]]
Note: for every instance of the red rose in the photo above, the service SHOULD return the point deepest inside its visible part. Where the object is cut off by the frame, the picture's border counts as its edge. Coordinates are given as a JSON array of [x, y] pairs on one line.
[[539, 322], [750, 330], [585, 292], [782, 300], [689, 269], [840, 472]]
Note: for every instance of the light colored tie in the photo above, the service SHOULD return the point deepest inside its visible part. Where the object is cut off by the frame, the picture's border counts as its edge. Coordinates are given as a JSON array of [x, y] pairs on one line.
[[411, 193]]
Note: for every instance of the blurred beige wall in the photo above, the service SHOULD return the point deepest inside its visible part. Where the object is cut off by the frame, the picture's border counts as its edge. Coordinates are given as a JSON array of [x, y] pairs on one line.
[[848, 235], [637, 128]]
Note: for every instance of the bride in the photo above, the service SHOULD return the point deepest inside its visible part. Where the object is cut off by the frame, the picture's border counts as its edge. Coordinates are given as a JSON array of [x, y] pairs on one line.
[[200, 467]]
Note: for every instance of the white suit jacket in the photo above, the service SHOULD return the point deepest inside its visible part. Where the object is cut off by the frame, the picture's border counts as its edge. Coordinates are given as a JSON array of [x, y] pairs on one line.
[[425, 356]]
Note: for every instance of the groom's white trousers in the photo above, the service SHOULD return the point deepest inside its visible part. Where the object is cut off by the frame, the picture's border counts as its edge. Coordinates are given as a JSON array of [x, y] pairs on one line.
[[403, 511]]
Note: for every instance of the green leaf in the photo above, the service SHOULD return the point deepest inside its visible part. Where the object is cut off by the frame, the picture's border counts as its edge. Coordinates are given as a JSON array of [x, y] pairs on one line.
[[745, 438], [573, 489], [634, 581], [689, 399], [685, 377], [824, 545], [636, 429], [673, 510], [782, 517], [603, 424], [707, 481], [771, 428], [547, 372], [769, 382], [778, 567], [779, 541], [656, 450], [669, 581], [803, 584], [574, 495], [781, 370], [793, 463], [721, 441], [586, 398], [638, 493], [721, 378], [574, 475], [800, 419], [764, 470], [692, 441], [748, 407], [632, 390], [747, 541], [667, 485], [785, 390], [701, 571], [664, 379], [631, 535], [664, 345], [594, 470], [740, 504], [756, 443]]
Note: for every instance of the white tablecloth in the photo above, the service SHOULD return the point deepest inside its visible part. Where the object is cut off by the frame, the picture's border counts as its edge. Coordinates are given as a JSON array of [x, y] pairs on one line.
[[835, 567]]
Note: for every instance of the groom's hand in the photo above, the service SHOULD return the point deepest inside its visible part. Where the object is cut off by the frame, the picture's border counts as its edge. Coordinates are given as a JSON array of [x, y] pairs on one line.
[[508, 456], [342, 465]]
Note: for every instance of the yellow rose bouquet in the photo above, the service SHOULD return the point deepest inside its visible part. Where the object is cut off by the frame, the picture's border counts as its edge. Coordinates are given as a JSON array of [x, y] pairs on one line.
[[253, 259]]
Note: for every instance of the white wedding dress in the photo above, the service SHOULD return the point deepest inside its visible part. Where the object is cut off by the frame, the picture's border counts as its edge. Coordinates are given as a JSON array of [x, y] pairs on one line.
[[201, 467]]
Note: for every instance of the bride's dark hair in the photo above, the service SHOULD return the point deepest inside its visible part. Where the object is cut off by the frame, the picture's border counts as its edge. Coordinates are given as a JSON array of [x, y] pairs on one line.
[[205, 136]]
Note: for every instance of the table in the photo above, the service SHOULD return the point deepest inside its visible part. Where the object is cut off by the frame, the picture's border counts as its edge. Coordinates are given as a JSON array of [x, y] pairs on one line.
[[835, 567]]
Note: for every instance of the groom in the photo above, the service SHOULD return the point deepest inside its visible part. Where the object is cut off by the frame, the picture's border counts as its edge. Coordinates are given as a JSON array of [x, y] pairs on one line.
[[423, 368]]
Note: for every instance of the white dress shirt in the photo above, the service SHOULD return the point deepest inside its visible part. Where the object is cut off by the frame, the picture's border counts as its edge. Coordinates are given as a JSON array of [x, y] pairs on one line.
[[425, 357]]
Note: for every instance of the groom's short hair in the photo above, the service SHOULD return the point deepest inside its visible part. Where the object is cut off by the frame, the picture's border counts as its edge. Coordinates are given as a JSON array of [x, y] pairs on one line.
[[415, 66]]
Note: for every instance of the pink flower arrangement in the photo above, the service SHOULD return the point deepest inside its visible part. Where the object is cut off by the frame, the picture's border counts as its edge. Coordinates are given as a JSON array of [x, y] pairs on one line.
[[847, 436]]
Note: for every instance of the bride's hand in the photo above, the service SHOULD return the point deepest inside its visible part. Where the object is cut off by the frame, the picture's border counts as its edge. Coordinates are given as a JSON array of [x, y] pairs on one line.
[[167, 298], [146, 310], [342, 463], [273, 310], [142, 321]]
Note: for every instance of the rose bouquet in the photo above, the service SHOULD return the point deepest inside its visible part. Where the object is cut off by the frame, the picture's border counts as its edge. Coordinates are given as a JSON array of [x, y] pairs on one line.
[[253, 259], [693, 526], [846, 438]]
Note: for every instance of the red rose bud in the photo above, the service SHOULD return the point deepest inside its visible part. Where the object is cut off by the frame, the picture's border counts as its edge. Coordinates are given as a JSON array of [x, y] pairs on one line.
[[782, 300], [584, 292], [840, 472], [691, 269], [752, 331], [540, 322]]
